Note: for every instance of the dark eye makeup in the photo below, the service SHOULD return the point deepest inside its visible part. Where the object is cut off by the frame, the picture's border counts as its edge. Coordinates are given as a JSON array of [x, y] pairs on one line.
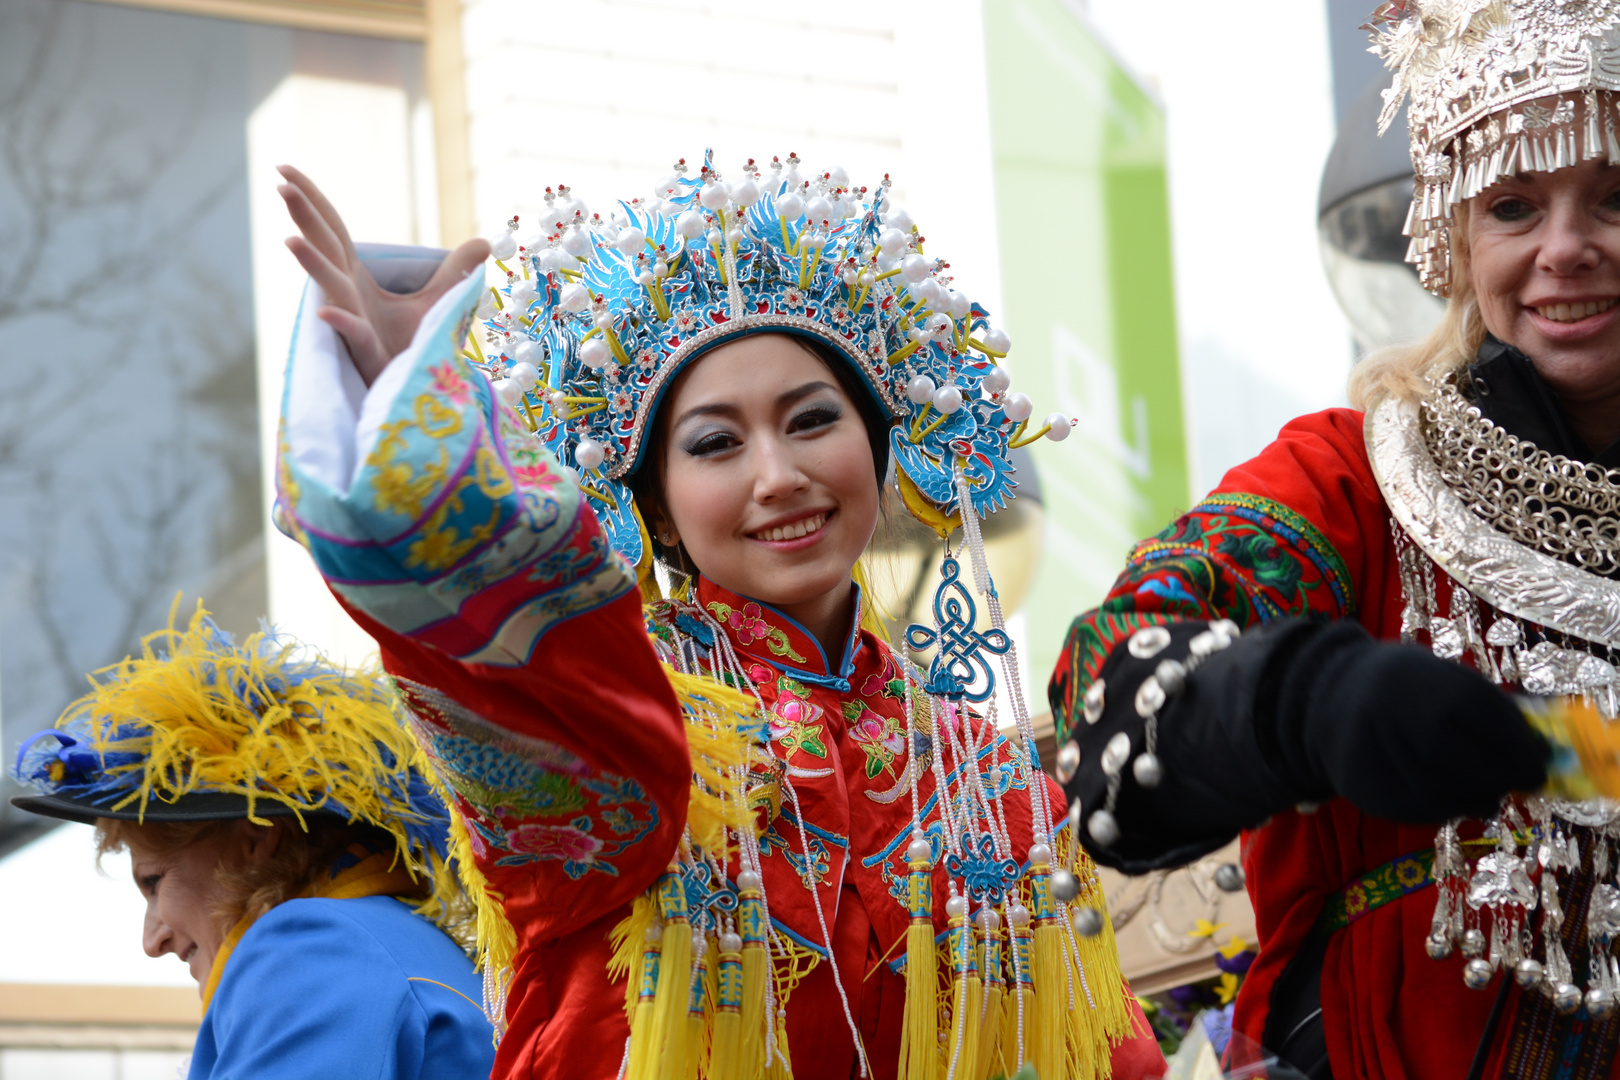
[[707, 442], [813, 416]]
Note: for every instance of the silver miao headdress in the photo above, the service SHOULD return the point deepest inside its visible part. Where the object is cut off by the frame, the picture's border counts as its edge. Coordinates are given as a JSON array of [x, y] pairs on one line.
[[1497, 87]]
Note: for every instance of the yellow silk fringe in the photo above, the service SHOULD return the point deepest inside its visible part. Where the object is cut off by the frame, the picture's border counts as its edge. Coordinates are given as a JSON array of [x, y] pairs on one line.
[[781, 1064], [719, 726], [1009, 1027], [919, 1048], [724, 1061], [632, 952], [669, 1007], [962, 1052], [699, 1024], [627, 939], [989, 1061], [1047, 1036], [1076, 1043], [719, 723], [667, 1044], [496, 941], [640, 1065], [725, 1053], [756, 961], [1107, 1020]]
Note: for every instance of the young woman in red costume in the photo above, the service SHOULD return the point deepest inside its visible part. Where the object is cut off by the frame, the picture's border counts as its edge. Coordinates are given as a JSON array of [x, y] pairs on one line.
[[1397, 571], [730, 832]]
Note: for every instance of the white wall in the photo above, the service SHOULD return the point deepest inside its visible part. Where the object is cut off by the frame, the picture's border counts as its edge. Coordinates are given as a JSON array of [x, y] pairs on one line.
[[605, 95], [1249, 113], [350, 113]]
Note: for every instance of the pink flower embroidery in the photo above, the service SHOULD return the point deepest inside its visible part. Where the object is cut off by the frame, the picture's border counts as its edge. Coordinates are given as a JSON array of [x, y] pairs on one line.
[[874, 729], [759, 674], [792, 709], [749, 623], [448, 383], [554, 842]]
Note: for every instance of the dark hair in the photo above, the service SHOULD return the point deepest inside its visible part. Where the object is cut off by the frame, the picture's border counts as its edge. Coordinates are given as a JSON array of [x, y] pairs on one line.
[[647, 482]]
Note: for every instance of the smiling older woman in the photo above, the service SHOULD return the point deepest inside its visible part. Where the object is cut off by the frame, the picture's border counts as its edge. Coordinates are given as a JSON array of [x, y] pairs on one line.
[[1470, 513], [289, 850]]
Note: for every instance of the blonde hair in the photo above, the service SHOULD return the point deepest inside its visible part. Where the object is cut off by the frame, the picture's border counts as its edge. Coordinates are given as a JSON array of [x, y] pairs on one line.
[[1401, 371]]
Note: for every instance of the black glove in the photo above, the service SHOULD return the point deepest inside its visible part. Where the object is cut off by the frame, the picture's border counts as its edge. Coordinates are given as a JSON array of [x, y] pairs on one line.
[[1399, 732], [1296, 712]]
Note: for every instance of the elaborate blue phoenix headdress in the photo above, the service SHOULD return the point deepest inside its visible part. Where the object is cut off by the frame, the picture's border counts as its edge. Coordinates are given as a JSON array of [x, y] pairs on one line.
[[597, 318]]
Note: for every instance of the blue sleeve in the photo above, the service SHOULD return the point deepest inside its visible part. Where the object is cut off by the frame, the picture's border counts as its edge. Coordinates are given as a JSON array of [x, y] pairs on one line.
[[311, 991]]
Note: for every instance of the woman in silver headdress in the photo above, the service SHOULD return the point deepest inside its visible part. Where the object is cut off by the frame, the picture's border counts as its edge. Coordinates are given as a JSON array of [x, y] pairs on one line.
[[1397, 572]]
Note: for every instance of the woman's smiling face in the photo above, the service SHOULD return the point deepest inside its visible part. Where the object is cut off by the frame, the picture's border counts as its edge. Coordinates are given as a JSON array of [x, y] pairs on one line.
[[1544, 260], [768, 478], [181, 888]]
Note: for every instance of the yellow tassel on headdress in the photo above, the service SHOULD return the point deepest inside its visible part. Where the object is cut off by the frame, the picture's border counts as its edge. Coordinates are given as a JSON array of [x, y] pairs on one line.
[[756, 971], [967, 999], [646, 579], [637, 948], [1102, 999], [990, 1025], [1019, 1009], [674, 979], [1047, 1036], [701, 995], [919, 1049], [725, 1055]]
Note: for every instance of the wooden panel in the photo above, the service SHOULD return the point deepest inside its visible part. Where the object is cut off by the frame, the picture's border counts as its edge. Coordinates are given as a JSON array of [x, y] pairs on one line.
[[402, 19], [43, 1003], [97, 1036]]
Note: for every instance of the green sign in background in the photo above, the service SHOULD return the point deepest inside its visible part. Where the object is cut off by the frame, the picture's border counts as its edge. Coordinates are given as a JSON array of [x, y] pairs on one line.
[[1084, 223]]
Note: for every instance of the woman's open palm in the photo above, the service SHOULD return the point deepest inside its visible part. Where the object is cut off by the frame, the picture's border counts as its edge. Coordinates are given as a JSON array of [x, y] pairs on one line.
[[376, 324]]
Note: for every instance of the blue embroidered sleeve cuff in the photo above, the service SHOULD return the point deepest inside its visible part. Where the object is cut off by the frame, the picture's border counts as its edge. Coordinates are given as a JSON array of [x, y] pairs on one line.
[[430, 506]]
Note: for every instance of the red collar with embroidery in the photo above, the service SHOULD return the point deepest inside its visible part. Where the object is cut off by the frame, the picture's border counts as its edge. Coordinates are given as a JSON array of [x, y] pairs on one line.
[[759, 631]]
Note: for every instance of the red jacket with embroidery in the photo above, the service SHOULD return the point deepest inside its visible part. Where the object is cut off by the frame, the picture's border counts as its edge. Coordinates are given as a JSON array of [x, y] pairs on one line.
[[524, 654], [1302, 530]]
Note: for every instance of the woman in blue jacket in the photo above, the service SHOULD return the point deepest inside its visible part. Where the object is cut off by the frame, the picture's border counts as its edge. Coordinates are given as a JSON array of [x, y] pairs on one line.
[[291, 852]]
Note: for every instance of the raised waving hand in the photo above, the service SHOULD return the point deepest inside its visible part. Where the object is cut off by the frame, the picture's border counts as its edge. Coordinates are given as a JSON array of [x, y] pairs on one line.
[[376, 324]]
